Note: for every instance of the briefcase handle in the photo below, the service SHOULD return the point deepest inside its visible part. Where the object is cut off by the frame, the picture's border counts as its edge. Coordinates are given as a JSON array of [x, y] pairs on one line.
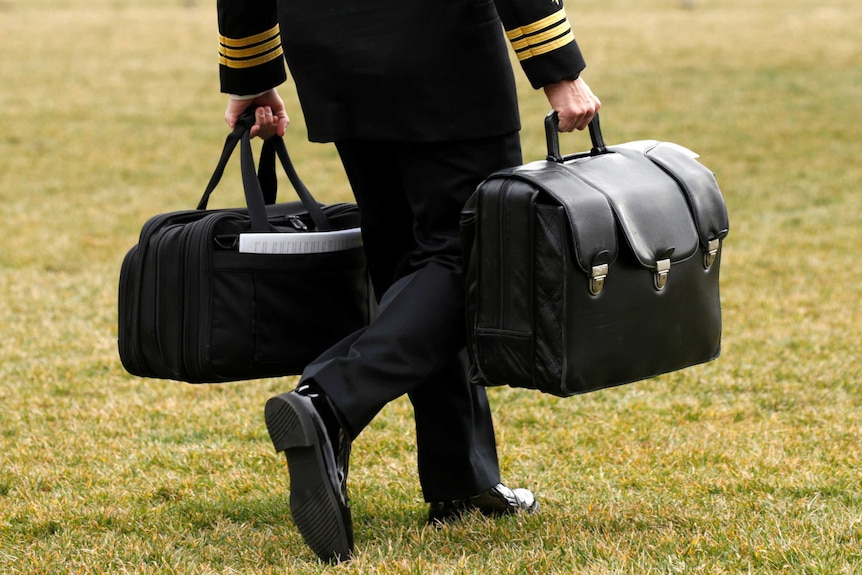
[[260, 187], [552, 137]]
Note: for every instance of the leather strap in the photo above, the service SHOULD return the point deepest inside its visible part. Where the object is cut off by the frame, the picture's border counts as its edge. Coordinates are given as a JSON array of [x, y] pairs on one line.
[[700, 188], [591, 220]]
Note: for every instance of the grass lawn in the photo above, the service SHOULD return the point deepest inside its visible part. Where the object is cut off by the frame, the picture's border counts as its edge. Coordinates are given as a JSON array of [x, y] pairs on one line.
[[110, 113]]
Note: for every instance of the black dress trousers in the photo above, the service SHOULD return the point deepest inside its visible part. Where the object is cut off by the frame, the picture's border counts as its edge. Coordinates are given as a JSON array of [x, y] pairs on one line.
[[410, 197]]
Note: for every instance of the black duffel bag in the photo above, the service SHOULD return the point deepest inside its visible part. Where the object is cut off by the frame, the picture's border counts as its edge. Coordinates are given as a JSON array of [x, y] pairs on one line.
[[222, 295]]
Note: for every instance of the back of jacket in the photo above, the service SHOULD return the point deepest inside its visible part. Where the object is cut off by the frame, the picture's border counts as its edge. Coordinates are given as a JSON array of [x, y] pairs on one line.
[[408, 70]]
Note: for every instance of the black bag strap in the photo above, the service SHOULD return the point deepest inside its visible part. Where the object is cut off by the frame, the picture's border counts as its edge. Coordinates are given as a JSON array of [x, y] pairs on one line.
[[251, 187], [275, 146], [229, 145], [266, 173], [260, 187]]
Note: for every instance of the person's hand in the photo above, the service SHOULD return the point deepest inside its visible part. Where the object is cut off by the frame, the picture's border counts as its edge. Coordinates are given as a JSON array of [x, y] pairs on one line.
[[574, 103], [270, 115]]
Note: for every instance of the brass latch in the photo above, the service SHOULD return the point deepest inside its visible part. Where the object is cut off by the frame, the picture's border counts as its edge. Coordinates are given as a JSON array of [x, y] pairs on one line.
[[662, 269], [710, 254], [597, 278]]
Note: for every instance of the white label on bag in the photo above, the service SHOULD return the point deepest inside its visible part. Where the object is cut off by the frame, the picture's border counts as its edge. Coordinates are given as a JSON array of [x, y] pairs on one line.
[[300, 242]]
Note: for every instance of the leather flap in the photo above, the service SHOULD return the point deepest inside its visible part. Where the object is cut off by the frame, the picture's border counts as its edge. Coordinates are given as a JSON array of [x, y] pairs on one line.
[[649, 206], [663, 200], [700, 188], [591, 220], [635, 186]]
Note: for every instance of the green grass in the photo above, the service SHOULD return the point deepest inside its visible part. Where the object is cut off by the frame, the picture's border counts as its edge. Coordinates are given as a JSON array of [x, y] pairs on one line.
[[111, 113]]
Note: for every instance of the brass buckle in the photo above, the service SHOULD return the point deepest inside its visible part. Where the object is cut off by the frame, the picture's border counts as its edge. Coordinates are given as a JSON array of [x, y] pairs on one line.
[[597, 278], [662, 269], [710, 254]]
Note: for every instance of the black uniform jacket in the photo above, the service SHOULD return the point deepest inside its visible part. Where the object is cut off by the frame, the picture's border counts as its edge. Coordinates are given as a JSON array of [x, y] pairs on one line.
[[406, 70]]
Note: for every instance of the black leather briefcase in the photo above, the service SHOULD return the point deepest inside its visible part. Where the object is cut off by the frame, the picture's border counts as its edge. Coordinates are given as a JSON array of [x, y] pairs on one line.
[[595, 269], [210, 296]]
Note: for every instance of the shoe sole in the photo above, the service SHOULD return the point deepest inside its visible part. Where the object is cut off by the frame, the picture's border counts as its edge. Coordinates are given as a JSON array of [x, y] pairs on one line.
[[315, 505]]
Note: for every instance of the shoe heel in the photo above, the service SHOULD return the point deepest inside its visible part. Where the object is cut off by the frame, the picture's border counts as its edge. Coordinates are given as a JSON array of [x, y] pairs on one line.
[[289, 422]]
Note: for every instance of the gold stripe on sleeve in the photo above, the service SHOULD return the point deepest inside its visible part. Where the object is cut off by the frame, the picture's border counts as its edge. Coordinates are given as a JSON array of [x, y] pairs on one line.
[[249, 40], [252, 62], [542, 36], [558, 30], [554, 18], [545, 48], [250, 52]]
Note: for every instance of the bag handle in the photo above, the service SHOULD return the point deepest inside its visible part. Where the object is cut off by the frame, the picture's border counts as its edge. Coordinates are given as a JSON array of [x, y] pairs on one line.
[[260, 187], [273, 147], [552, 137]]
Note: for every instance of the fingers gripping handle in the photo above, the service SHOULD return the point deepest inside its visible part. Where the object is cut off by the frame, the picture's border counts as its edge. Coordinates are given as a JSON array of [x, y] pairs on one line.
[[552, 137]]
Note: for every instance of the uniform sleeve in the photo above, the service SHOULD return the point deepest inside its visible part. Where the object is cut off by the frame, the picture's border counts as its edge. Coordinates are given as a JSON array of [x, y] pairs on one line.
[[542, 38], [250, 54]]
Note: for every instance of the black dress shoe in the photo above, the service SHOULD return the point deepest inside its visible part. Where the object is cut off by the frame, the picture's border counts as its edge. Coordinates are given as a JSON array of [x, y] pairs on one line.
[[499, 500], [317, 460]]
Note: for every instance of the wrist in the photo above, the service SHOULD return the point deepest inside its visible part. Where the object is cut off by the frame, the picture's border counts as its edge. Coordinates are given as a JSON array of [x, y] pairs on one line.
[[247, 96]]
